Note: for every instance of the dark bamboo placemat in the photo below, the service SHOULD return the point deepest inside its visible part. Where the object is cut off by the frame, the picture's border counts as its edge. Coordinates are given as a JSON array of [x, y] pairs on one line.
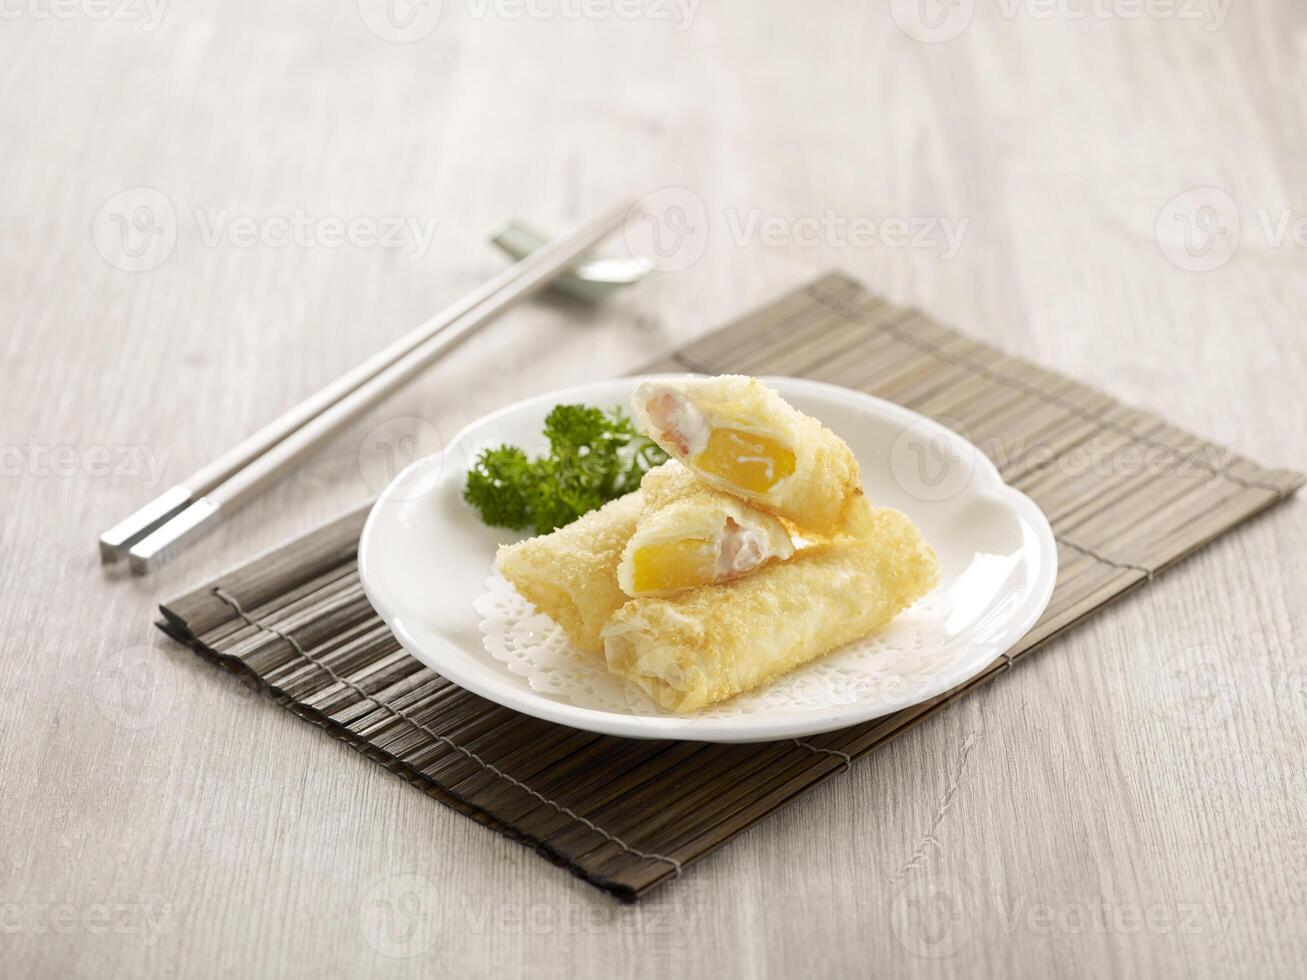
[[628, 815]]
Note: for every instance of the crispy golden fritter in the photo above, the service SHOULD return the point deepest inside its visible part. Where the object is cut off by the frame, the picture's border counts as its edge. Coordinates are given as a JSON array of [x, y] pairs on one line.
[[703, 646], [826, 479], [570, 575]]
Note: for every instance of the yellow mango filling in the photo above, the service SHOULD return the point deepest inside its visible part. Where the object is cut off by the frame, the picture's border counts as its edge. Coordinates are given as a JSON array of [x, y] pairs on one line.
[[745, 459], [667, 565]]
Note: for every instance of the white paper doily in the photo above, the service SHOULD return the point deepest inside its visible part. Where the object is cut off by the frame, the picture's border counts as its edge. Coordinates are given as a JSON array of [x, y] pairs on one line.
[[888, 666]]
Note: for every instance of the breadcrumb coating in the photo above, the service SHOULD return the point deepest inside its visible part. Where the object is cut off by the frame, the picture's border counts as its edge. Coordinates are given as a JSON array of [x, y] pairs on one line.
[[570, 575], [826, 478], [702, 646], [679, 507]]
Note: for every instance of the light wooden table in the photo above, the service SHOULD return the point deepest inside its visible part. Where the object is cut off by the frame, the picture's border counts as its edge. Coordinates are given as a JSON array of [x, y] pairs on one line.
[[1129, 802]]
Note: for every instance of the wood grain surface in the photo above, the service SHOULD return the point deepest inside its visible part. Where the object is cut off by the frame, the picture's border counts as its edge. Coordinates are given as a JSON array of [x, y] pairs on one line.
[[1131, 803]]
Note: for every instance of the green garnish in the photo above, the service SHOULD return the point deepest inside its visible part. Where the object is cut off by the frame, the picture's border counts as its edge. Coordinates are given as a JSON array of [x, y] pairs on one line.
[[594, 457]]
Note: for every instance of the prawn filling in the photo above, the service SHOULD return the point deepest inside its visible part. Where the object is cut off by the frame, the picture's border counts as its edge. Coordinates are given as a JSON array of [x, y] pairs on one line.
[[745, 440], [663, 566], [754, 463], [749, 461], [674, 564]]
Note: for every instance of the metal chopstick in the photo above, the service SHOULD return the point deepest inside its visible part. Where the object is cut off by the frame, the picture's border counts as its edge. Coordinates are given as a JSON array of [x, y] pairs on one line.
[[158, 530]]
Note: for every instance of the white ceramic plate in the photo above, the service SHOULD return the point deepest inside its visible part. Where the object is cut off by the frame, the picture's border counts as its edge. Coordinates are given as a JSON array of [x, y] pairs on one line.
[[426, 562]]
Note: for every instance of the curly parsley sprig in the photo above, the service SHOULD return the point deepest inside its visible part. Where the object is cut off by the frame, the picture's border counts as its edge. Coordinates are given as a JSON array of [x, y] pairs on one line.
[[594, 457]]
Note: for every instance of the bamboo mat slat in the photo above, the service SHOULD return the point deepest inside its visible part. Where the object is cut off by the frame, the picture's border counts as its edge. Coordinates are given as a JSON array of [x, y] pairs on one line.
[[628, 815]]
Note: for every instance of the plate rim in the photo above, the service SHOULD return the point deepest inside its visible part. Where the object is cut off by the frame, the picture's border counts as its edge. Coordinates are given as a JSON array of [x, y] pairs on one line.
[[721, 730]]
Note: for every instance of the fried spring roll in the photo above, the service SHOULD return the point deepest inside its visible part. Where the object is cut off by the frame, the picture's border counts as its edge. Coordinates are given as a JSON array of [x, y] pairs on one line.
[[668, 483], [741, 437], [570, 575], [699, 647], [700, 537]]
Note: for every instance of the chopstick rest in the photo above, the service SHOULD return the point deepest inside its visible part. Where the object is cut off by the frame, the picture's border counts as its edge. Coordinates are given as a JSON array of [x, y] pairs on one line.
[[157, 531], [591, 281]]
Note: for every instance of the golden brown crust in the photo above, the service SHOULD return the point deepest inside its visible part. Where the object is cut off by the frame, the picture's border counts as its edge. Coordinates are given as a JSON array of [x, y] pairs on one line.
[[678, 505], [816, 496], [571, 574], [699, 647], [669, 483]]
